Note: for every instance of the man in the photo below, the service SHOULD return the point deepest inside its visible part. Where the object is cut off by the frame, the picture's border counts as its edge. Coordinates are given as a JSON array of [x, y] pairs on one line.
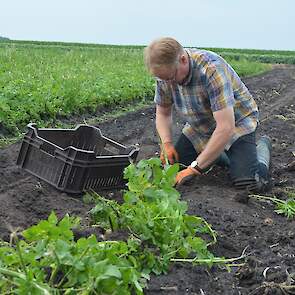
[[220, 112]]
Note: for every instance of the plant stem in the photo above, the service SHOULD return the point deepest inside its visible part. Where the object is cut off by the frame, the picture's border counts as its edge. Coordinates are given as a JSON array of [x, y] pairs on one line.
[[165, 217], [21, 276], [54, 273], [273, 199], [208, 260], [72, 267], [212, 232], [163, 150], [20, 253]]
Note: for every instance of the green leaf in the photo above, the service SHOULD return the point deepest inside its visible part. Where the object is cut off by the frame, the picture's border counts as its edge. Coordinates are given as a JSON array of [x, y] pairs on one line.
[[193, 223], [287, 208], [52, 219], [172, 170], [113, 271]]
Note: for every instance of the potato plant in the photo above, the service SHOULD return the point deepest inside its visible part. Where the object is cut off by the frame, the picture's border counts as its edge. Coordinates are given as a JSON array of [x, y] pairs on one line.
[[46, 258]]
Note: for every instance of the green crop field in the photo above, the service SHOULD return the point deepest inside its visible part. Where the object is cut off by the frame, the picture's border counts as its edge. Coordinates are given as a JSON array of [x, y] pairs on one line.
[[43, 82], [264, 56]]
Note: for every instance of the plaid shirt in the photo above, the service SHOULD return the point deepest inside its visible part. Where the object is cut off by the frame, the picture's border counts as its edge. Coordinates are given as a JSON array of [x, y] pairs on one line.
[[211, 85]]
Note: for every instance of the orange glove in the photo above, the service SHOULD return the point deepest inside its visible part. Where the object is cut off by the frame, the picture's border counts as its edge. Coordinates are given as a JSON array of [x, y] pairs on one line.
[[186, 175], [170, 151]]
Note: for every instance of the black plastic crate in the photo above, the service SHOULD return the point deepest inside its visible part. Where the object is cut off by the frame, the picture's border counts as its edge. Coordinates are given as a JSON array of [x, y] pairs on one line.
[[75, 160]]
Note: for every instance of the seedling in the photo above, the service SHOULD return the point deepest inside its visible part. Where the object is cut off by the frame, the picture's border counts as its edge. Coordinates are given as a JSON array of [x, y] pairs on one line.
[[285, 207]]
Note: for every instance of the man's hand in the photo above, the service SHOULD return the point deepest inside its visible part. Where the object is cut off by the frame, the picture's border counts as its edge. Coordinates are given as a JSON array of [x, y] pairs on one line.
[[169, 150], [186, 175]]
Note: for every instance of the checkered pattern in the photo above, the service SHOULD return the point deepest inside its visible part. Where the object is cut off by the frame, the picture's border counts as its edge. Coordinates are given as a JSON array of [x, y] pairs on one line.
[[211, 85]]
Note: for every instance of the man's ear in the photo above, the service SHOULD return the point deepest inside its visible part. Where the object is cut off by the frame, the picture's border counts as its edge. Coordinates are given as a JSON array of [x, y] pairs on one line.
[[183, 59]]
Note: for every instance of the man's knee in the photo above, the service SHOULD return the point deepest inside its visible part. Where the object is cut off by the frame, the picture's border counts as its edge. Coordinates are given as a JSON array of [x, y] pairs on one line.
[[185, 150]]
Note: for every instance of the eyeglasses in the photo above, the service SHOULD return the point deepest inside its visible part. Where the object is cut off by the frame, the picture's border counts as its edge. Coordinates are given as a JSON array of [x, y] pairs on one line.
[[172, 79]]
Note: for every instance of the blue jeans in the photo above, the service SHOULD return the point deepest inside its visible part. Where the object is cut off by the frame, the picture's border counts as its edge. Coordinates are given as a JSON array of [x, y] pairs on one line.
[[241, 160]]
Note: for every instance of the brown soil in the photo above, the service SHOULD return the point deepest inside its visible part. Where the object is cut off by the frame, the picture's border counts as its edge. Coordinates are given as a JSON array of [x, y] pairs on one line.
[[241, 224]]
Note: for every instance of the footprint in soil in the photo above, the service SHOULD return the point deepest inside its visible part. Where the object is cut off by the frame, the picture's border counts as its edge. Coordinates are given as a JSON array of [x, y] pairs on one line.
[[249, 273], [242, 197]]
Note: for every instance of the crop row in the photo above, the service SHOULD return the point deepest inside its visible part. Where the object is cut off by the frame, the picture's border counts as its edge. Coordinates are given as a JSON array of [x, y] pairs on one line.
[[93, 45], [263, 58], [43, 82]]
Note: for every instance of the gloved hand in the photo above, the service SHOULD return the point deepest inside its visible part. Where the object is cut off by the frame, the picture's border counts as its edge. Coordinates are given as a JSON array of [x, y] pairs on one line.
[[170, 151], [186, 175]]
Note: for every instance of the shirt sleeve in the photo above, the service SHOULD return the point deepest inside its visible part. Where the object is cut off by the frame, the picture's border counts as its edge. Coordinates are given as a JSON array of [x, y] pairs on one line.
[[219, 88], [163, 94]]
